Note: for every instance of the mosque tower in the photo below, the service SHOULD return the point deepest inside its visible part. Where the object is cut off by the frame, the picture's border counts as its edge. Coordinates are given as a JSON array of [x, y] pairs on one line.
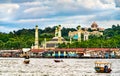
[[79, 32], [59, 34], [36, 38]]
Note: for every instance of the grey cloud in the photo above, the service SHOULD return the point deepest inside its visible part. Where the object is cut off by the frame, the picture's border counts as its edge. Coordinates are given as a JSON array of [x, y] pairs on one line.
[[55, 8], [107, 16], [62, 11], [106, 1], [15, 1], [117, 3]]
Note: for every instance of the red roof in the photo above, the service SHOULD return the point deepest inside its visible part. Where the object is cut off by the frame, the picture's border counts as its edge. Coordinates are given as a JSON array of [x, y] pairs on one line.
[[76, 49], [102, 49], [37, 50]]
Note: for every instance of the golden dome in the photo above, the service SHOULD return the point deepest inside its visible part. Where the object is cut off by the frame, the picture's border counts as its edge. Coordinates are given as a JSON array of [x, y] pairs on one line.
[[94, 25]]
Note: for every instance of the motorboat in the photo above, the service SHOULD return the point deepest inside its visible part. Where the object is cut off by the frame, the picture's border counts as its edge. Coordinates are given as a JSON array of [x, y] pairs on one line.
[[103, 67], [58, 61], [26, 61]]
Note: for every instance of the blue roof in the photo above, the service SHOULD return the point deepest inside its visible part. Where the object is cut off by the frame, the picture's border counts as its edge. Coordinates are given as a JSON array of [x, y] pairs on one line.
[[75, 37]]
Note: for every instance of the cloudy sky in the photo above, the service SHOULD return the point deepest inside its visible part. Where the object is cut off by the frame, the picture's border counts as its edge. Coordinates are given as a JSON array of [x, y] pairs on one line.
[[18, 14]]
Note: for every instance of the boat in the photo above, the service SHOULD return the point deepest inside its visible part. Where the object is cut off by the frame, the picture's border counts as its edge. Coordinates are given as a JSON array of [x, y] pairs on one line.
[[58, 61], [103, 67], [26, 61]]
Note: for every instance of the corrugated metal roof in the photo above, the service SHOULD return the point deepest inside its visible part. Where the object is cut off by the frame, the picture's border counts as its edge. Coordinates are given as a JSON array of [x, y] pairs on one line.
[[77, 49]]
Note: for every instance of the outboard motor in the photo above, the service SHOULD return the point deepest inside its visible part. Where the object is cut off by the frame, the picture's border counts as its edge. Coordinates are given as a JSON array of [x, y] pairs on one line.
[[105, 68]]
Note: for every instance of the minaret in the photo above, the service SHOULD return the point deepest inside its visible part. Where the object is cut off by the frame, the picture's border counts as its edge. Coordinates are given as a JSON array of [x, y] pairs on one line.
[[59, 31], [79, 32], [86, 36], [56, 32], [79, 35], [59, 34], [36, 38], [45, 44], [70, 37]]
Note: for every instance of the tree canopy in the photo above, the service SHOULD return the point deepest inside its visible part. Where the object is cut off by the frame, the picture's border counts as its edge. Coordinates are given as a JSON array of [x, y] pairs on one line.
[[24, 38]]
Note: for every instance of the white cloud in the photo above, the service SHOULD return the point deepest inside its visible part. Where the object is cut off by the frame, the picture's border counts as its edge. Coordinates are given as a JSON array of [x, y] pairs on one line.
[[102, 24], [37, 9], [7, 29], [107, 1], [95, 4], [8, 11], [4, 19], [108, 23], [8, 8], [66, 12], [31, 3], [69, 19], [66, 7]]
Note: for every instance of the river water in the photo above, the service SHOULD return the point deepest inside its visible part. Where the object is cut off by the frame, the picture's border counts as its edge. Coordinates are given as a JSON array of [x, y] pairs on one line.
[[47, 67]]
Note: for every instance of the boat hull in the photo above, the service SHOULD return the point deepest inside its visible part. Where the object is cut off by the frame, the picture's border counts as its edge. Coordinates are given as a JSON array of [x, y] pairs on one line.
[[26, 61], [58, 61], [102, 70]]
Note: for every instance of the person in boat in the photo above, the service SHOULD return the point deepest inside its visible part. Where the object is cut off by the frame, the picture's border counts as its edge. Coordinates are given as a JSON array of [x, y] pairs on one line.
[[26, 56], [105, 68], [26, 60]]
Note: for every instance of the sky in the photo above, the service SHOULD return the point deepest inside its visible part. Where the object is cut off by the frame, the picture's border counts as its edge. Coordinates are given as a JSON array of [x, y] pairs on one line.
[[18, 14]]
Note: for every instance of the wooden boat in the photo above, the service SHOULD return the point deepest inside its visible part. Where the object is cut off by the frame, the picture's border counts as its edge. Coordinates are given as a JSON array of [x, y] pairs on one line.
[[103, 67], [26, 61], [58, 60]]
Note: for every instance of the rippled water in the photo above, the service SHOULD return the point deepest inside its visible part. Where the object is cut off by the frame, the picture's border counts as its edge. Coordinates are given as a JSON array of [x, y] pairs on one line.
[[47, 67]]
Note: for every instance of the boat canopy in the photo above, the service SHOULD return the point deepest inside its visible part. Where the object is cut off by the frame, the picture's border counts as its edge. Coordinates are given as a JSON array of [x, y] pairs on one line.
[[102, 63], [25, 49]]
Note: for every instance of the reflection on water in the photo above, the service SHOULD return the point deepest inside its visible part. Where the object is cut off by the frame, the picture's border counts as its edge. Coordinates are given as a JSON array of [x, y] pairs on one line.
[[47, 67]]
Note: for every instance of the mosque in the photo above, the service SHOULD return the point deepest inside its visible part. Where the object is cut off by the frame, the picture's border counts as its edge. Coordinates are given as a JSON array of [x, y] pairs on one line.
[[53, 43], [58, 39], [49, 48], [93, 30]]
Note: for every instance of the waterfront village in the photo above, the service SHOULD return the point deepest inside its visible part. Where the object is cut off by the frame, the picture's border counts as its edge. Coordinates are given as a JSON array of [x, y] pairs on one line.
[[49, 49]]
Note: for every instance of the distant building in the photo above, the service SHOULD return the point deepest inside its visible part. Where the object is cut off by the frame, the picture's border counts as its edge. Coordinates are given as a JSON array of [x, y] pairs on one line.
[[36, 45], [58, 39], [53, 43], [93, 30], [77, 34]]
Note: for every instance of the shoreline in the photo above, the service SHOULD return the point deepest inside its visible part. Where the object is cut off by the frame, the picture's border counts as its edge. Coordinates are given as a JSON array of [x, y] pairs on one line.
[[60, 58]]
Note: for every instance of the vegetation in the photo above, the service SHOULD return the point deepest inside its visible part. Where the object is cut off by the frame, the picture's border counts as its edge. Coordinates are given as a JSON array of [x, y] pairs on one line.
[[110, 39], [24, 38]]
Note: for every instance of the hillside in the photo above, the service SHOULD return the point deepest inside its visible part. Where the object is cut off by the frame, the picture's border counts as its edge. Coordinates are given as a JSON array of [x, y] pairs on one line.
[[25, 38]]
